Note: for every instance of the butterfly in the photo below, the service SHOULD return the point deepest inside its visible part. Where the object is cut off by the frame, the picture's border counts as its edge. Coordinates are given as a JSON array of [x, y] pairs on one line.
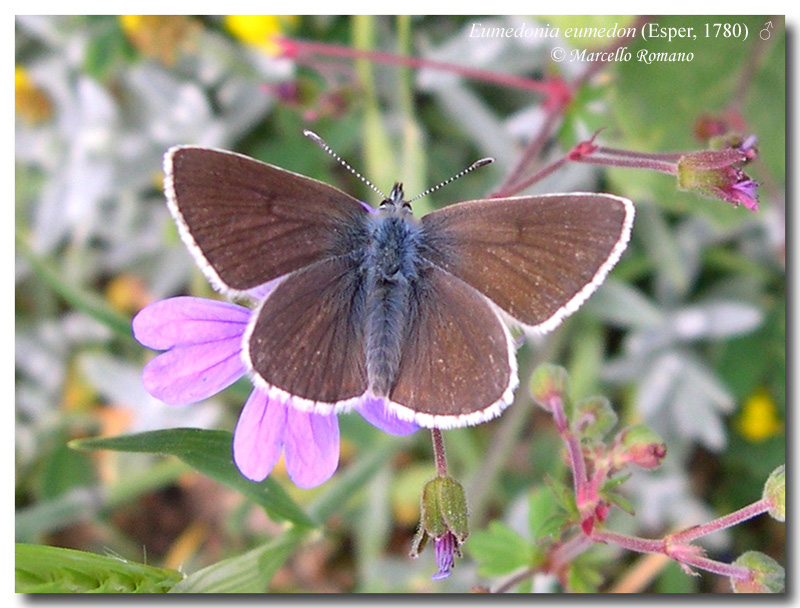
[[362, 303]]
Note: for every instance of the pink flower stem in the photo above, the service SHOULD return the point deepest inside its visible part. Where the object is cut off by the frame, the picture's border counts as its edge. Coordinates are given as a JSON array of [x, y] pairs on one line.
[[633, 163], [726, 521], [662, 546], [566, 553], [573, 449], [294, 47], [539, 175], [710, 565], [438, 452], [665, 156], [511, 184]]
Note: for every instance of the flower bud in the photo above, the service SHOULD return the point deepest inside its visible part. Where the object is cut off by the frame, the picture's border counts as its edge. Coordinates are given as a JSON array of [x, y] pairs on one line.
[[714, 174], [766, 575], [639, 445], [444, 519], [775, 493], [548, 382]]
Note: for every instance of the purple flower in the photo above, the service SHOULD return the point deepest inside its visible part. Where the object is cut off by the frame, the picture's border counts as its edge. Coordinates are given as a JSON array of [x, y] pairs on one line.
[[203, 343], [715, 173], [445, 549], [737, 189], [443, 518]]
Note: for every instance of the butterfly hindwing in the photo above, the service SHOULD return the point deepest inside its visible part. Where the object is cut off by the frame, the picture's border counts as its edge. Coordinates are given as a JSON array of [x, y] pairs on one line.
[[457, 365], [306, 339]]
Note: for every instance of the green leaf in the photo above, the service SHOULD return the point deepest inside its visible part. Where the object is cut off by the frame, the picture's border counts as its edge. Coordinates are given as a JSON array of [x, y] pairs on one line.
[[43, 569], [619, 500], [210, 453], [64, 469], [499, 550], [545, 514], [563, 494], [250, 572], [583, 576]]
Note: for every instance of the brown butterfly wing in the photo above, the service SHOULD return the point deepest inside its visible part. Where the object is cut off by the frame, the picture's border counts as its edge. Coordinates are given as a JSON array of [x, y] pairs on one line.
[[248, 223], [457, 365], [307, 339]]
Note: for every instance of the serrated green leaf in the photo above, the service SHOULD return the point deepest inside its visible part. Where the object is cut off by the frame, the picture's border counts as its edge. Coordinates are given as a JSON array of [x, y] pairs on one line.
[[43, 569], [499, 550], [583, 577], [551, 528], [210, 453], [616, 481], [543, 509], [563, 494], [619, 500]]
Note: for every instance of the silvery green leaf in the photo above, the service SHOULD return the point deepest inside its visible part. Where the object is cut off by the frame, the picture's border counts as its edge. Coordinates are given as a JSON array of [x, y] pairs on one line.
[[715, 319], [672, 279], [685, 398], [177, 110], [624, 306], [657, 385]]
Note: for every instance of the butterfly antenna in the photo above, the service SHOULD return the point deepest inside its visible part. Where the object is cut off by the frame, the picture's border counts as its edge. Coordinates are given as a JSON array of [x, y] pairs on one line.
[[472, 167], [321, 143]]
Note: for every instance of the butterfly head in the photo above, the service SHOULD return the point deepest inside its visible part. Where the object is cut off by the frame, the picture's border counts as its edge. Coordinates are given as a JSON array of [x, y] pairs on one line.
[[395, 203]]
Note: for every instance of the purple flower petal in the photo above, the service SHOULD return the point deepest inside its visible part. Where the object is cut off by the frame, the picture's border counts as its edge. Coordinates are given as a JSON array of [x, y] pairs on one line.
[[444, 549], [375, 412], [312, 447], [258, 438], [186, 320], [187, 374], [746, 192], [262, 291]]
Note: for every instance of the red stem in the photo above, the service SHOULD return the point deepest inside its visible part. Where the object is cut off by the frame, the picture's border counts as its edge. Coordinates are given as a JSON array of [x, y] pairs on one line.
[[573, 449], [633, 163], [293, 47], [510, 184], [726, 521], [438, 452]]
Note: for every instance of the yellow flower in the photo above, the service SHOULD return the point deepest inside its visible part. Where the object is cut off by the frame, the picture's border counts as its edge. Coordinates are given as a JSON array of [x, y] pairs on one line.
[[30, 102], [262, 31], [758, 420], [131, 23], [159, 36]]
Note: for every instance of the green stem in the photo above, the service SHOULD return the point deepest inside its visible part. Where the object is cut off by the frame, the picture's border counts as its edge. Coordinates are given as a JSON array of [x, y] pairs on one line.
[[80, 299]]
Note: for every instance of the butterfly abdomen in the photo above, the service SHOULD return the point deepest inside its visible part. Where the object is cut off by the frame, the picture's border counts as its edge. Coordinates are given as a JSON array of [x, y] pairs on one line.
[[393, 270]]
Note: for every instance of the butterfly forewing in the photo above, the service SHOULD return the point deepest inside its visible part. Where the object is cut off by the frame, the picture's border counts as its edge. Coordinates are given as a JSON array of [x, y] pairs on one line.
[[248, 223], [307, 340], [457, 365], [538, 258]]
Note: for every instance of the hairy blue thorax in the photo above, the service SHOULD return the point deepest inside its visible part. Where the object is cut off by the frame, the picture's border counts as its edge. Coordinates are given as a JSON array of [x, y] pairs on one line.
[[393, 266]]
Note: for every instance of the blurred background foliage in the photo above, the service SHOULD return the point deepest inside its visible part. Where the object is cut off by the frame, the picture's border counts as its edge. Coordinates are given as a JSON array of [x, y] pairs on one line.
[[687, 335]]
